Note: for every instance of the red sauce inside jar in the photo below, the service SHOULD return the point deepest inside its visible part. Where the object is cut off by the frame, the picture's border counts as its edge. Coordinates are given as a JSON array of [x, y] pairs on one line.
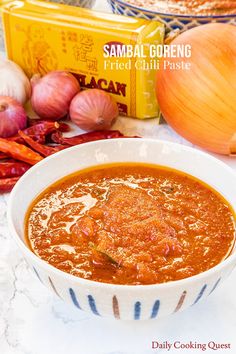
[[130, 224]]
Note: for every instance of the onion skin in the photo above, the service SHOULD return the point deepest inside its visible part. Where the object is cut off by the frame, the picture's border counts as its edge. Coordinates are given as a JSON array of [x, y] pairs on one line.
[[12, 117], [200, 103], [93, 110], [52, 94]]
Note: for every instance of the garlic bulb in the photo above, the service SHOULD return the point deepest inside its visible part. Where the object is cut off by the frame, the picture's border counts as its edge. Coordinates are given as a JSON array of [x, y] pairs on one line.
[[14, 82]]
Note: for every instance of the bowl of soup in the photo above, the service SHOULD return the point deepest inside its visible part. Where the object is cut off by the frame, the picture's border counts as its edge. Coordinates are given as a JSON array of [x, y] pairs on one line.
[[133, 229]]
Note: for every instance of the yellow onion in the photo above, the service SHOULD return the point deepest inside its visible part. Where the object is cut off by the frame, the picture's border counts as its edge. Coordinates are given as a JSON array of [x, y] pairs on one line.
[[93, 110], [200, 103]]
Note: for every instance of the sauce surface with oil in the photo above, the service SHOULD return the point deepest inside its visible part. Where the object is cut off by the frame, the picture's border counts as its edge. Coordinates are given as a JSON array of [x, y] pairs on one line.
[[131, 224]]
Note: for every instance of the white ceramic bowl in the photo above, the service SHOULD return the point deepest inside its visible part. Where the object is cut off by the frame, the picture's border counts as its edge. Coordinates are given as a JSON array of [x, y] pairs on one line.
[[120, 301]]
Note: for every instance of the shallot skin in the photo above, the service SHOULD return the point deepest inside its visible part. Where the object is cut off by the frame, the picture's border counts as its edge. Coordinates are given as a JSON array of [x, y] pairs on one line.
[[12, 116], [93, 109], [52, 94]]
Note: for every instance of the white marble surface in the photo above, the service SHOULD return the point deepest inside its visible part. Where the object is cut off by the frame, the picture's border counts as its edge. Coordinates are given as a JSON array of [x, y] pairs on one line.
[[34, 321]]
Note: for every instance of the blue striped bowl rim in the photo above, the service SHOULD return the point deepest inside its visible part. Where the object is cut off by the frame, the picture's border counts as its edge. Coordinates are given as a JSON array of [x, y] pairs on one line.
[[165, 14]]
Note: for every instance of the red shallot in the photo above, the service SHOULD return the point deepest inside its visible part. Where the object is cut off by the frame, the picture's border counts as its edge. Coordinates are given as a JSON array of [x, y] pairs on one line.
[[52, 94], [93, 110], [12, 116]]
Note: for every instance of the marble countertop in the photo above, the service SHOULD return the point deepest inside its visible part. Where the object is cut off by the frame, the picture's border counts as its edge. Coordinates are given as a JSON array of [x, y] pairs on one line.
[[34, 321]]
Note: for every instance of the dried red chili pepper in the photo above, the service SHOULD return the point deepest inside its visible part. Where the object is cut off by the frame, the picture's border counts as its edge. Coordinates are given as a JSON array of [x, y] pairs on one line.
[[42, 128], [63, 127], [19, 151], [39, 138], [130, 136], [3, 156], [60, 147], [40, 131], [58, 138], [13, 169], [37, 132], [43, 150], [6, 184]]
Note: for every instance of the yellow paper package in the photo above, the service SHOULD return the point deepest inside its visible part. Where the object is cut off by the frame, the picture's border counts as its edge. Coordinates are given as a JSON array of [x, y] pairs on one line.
[[42, 36]]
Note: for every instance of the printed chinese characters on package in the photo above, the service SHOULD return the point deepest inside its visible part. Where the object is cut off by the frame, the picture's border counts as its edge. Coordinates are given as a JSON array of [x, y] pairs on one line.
[[43, 36]]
